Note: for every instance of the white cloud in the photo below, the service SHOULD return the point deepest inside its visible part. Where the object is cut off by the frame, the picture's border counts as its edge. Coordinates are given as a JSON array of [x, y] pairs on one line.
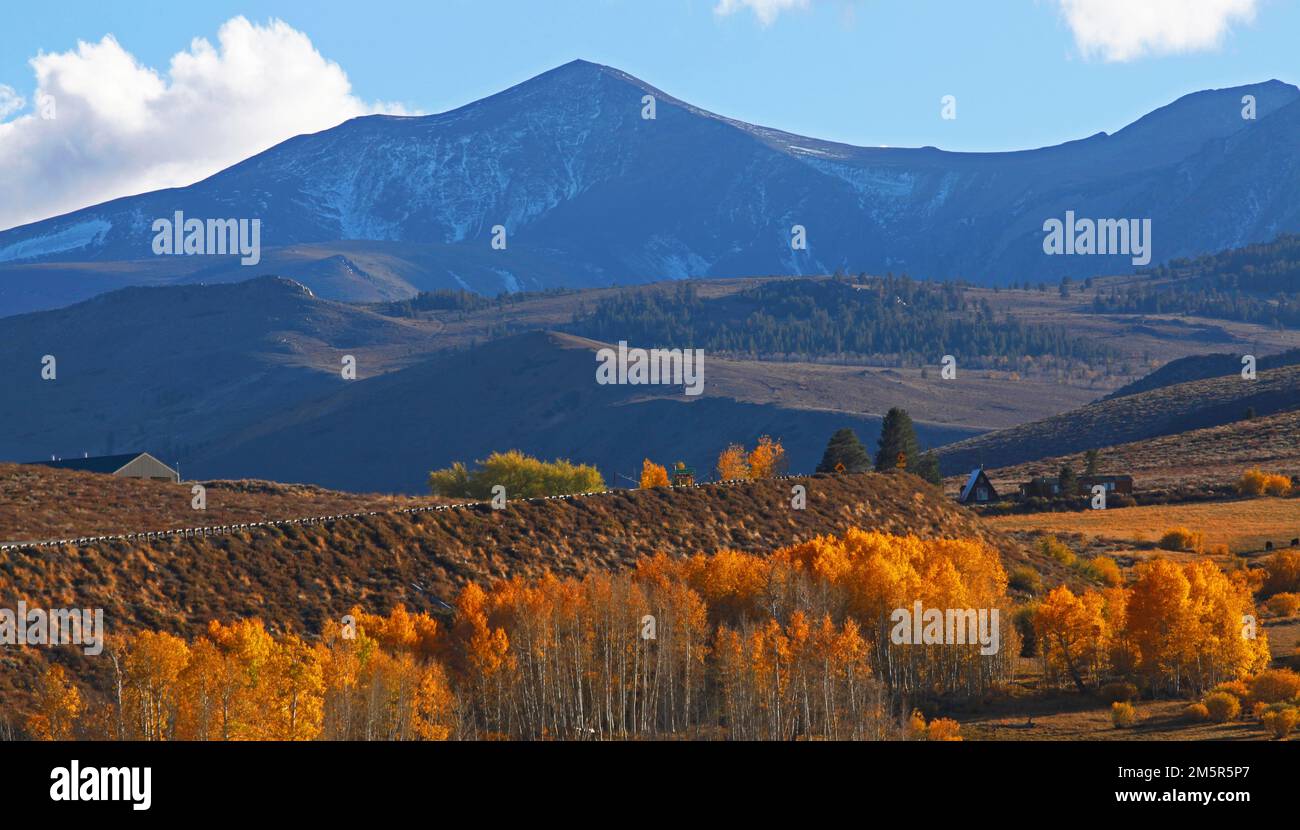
[[765, 10], [121, 128], [1122, 30], [10, 101]]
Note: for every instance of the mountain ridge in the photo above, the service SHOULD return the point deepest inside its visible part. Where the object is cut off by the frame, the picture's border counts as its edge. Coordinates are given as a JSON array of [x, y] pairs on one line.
[[593, 193]]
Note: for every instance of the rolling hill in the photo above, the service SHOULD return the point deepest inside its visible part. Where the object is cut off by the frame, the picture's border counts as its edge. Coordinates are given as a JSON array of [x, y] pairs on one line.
[[176, 368], [294, 575], [534, 391], [1200, 367], [589, 192], [1258, 282], [1167, 410], [1207, 460], [243, 380], [39, 503]]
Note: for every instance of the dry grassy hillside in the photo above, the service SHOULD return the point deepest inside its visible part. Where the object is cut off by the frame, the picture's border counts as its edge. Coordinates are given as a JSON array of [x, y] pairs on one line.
[[46, 503], [295, 575], [1165, 411], [1198, 459]]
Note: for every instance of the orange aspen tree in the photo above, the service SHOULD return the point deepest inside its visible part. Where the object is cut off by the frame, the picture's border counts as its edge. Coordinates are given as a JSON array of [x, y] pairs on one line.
[[1071, 631], [733, 464], [767, 460], [296, 686], [484, 658], [434, 716], [653, 475], [58, 705], [245, 647], [152, 667]]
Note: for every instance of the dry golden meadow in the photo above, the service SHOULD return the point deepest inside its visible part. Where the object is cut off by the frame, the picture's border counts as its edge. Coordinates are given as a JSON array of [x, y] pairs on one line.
[[1244, 525]]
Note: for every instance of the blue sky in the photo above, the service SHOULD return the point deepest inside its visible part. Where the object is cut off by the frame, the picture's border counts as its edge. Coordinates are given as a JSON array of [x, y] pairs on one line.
[[1025, 73]]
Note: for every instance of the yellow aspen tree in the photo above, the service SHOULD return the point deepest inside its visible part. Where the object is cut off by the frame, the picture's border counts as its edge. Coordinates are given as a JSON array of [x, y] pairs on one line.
[[208, 689], [1071, 632], [1161, 623], [246, 647]]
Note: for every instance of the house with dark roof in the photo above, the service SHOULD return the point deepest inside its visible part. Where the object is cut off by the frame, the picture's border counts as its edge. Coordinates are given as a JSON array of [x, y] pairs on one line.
[[978, 489], [128, 465]]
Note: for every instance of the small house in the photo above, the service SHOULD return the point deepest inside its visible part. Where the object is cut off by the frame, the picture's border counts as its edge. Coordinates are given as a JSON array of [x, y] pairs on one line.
[[1112, 484], [978, 489], [129, 465], [1040, 487], [683, 476]]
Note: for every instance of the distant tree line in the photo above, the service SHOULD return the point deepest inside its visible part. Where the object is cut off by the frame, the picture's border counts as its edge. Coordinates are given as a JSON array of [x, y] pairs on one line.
[[915, 320], [1256, 283]]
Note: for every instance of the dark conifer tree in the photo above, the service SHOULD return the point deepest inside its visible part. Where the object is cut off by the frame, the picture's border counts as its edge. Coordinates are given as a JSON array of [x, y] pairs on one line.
[[845, 448], [927, 467], [897, 440]]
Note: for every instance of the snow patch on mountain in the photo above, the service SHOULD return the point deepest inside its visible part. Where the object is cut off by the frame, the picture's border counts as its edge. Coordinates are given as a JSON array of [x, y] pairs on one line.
[[509, 280], [869, 182], [80, 235], [671, 259]]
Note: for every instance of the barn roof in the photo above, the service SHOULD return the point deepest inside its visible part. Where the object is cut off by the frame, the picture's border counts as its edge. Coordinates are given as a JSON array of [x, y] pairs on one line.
[[96, 464]]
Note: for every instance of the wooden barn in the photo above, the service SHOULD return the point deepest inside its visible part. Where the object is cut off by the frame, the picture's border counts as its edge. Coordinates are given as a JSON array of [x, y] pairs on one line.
[[978, 489], [129, 465]]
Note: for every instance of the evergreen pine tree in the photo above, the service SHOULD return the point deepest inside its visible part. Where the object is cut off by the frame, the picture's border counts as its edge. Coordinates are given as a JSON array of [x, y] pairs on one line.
[[845, 448], [1092, 461], [1069, 482], [897, 436], [927, 467]]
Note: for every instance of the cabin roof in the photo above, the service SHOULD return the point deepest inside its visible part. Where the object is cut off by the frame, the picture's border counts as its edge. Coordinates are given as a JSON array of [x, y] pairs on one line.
[[975, 475]]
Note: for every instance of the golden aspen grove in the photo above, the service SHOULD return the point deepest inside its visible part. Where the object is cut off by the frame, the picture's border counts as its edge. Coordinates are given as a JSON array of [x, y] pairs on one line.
[[727, 645], [800, 643]]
